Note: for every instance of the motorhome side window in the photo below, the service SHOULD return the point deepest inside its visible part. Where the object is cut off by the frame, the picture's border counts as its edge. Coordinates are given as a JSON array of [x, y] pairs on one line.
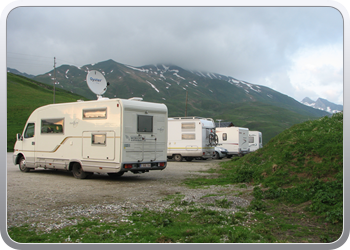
[[224, 136], [188, 136], [144, 123], [98, 139], [95, 113], [188, 125], [251, 139], [52, 126], [29, 133]]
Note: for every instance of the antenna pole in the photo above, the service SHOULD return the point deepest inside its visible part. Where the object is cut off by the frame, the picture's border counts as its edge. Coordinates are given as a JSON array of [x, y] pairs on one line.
[[186, 105], [54, 83]]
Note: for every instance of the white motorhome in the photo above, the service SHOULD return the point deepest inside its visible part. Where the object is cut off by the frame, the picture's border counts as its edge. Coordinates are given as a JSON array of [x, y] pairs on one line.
[[190, 138], [110, 136], [234, 139], [255, 140]]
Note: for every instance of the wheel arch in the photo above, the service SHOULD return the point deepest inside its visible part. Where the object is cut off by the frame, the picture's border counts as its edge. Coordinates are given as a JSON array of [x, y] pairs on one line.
[[18, 157], [72, 162]]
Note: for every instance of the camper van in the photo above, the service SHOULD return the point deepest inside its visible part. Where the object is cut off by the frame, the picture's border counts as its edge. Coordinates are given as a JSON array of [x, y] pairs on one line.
[[234, 139], [109, 136], [255, 140], [191, 138]]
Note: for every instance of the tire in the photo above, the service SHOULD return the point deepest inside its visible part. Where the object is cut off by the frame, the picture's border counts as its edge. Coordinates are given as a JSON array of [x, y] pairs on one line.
[[217, 156], [22, 165], [116, 175], [188, 158], [78, 172], [178, 158]]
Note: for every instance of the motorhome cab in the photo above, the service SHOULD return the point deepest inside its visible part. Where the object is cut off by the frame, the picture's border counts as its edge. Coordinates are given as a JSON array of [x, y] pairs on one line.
[[255, 140], [110, 136], [191, 137], [234, 139]]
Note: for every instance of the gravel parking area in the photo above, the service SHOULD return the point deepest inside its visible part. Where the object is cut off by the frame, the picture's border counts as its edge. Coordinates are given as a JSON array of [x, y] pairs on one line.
[[52, 199]]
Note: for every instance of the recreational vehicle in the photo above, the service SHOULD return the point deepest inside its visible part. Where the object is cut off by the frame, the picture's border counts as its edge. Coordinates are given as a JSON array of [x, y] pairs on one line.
[[255, 140], [234, 139], [191, 137], [110, 136]]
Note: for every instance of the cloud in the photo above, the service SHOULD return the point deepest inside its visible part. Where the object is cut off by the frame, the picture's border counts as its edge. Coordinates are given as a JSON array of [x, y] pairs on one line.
[[248, 43], [319, 72]]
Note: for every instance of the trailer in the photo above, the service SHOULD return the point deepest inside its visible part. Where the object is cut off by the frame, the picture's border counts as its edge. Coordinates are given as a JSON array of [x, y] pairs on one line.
[[110, 136], [234, 139], [191, 138], [255, 140]]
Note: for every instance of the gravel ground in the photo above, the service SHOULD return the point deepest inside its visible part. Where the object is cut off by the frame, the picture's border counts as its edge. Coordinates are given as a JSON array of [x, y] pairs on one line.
[[50, 199]]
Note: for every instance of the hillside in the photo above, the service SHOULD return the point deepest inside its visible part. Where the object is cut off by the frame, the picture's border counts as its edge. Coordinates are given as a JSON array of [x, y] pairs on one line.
[[168, 84], [297, 180], [301, 165], [209, 95], [258, 115], [25, 95]]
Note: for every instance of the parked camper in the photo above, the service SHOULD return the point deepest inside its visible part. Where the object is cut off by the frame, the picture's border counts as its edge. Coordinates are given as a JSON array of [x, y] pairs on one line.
[[110, 136], [234, 139], [191, 137], [255, 140]]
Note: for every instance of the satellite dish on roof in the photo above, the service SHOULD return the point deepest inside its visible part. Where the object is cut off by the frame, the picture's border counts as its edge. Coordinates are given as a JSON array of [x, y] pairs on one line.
[[96, 82]]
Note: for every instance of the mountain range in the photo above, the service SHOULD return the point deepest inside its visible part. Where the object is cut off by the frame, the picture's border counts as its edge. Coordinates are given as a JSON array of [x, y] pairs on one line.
[[323, 104], [191, 93]]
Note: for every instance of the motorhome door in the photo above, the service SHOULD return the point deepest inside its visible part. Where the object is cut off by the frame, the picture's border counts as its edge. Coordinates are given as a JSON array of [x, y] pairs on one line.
[[28, 144]]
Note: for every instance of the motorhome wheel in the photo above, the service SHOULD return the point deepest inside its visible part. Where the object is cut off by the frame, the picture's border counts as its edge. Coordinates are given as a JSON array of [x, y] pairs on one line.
[[178, 157], [78, 172], [22, 165]]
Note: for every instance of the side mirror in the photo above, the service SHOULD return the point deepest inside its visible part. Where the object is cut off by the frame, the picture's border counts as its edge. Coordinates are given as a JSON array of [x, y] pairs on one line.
[[19, 137]]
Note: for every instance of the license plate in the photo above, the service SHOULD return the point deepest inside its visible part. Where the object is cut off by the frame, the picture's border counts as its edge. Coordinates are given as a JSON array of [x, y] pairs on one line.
[[145, 165]]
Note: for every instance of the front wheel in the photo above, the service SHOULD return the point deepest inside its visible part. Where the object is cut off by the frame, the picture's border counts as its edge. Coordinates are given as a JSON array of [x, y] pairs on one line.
[[22, 165], [217, 156], [78, 172]]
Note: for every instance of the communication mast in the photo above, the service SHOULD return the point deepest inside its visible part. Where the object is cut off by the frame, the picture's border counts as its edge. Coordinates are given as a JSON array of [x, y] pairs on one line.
[[54, 75]]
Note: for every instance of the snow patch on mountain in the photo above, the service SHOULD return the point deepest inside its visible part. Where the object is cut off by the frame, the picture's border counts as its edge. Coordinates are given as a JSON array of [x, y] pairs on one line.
[[152, 86]]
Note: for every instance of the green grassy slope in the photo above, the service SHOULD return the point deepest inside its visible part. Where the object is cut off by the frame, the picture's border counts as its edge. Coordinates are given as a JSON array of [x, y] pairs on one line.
[[23, 97], [302, 164]]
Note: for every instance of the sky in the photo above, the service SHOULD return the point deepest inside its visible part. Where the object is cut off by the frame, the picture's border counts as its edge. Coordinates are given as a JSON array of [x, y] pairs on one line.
[[297, 51]]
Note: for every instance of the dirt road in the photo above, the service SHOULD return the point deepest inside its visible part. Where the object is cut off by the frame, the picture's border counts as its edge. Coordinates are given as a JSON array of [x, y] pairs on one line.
[[48, 195]]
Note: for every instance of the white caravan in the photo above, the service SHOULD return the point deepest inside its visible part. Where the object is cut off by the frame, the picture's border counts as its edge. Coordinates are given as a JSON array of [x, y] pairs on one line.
[[110, 136], [234, 139], [191, 137], [255, 140]]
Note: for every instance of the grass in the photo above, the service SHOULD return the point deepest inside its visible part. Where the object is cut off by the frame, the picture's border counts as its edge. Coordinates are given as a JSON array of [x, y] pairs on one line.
[[189, 223]]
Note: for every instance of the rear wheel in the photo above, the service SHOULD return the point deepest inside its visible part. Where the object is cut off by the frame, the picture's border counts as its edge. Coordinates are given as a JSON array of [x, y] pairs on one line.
[[178, 157], [78, 172]]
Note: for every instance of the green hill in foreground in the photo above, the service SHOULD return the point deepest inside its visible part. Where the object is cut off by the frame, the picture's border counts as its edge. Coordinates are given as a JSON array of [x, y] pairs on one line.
[[301, 169], [23, 97]]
